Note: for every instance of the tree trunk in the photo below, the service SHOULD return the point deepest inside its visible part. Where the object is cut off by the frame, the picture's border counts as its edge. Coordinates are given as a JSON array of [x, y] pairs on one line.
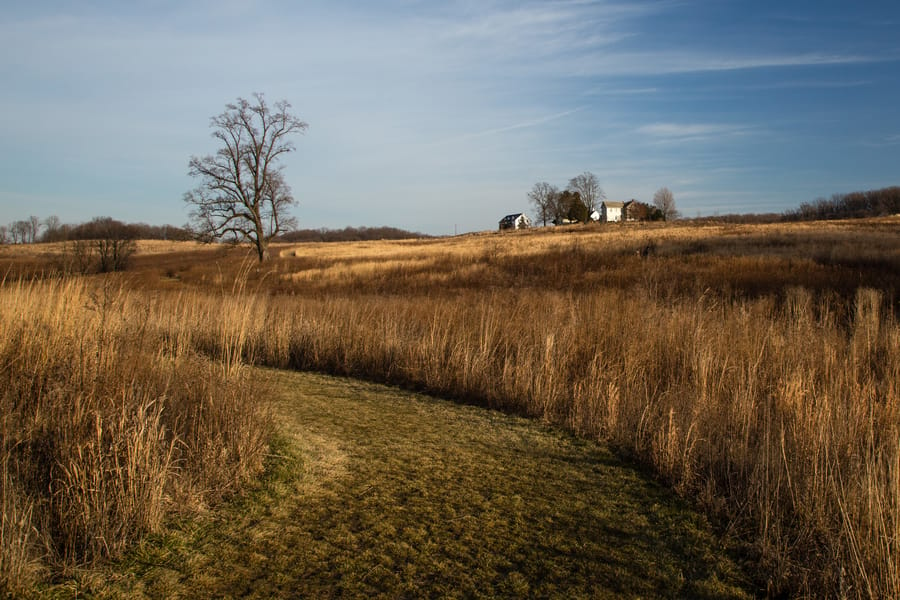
[[262, 250]]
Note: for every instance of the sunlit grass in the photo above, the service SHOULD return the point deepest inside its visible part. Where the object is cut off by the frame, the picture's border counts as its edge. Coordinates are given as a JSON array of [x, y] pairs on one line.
[[375, 492], [108, 423], [754, 368]]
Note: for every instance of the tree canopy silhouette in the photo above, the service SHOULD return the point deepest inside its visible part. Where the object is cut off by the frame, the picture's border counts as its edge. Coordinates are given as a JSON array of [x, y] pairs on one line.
[[242, 193]]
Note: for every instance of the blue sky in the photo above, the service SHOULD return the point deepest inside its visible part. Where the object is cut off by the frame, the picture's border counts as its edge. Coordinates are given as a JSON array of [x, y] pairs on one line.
[[440, 116]]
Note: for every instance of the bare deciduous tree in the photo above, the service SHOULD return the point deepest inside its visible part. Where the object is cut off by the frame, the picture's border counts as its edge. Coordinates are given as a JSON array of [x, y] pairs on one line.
[[664, 201], [543, 197], [52, 226], [114, 246], [20, 231], [242, 193], [588, 187], [35, 228]]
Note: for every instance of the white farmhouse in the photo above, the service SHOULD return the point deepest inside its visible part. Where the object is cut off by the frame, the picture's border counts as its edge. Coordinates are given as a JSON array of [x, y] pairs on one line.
[[515, 221], [611, 212]]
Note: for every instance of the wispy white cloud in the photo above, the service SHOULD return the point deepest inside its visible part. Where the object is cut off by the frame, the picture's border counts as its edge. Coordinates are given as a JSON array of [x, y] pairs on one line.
[[667, 62], [614, 91], [598, 39], [813, 84], [691, 131], [881, 142], [520, 125]]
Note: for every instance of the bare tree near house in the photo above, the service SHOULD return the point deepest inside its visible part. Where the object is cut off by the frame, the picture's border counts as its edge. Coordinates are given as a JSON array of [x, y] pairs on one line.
[[664, 201], [543, 197], [242, 194], [588, 187]]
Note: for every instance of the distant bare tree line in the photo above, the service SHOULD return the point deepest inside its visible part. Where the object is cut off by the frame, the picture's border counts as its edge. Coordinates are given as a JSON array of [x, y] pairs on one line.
[[51, 229], [855, 205], [102, 244], [34, 230]]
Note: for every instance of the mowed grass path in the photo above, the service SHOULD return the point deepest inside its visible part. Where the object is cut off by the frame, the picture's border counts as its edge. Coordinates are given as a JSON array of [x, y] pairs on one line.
[[378, 492]]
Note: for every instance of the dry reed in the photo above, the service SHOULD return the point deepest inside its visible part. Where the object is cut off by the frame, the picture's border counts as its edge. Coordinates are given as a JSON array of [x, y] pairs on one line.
[[106, 425]]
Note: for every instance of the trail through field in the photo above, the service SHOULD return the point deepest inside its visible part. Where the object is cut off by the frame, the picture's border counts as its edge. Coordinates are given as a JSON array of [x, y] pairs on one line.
[[378, 492]]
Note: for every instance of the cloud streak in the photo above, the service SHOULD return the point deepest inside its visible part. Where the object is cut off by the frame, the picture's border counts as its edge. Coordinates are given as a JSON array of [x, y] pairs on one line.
[[506, 128], [691, 131]]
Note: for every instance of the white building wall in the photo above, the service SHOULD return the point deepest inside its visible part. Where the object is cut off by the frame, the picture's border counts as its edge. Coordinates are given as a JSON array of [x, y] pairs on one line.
[[612, 214]]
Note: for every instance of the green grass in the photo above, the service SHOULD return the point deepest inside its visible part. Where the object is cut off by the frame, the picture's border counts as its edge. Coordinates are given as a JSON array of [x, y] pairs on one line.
[[375, 492]]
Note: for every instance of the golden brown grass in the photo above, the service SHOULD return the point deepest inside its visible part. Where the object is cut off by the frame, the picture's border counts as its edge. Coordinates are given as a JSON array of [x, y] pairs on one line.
[[755, 367], [107, 421], [779, 419], [373, 491]]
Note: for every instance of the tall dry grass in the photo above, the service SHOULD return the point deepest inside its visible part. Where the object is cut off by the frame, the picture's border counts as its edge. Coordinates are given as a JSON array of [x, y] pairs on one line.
[[778, 417], [756, 369], [777, 409], [108, 421]]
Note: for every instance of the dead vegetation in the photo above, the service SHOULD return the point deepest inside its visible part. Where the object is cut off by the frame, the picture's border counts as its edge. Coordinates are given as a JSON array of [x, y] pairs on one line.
[[754, 367], [110, 419]]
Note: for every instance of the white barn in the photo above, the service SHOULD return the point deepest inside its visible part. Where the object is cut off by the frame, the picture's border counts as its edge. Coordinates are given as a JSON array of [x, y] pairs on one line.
[[515, 221]]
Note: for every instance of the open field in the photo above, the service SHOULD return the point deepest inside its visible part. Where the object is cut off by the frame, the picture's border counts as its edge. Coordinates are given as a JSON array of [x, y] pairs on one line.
[[754, 368]]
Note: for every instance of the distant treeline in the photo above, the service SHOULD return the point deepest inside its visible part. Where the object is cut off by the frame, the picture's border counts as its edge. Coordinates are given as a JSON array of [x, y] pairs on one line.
[[35, 229], [349, 234], [855, 205]]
